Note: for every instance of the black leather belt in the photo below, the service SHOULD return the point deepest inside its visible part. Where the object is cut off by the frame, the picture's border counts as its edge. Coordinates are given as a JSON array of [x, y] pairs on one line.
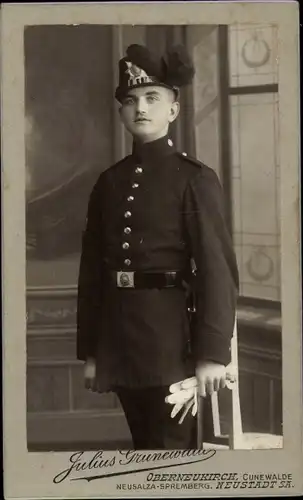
[[139, 279]]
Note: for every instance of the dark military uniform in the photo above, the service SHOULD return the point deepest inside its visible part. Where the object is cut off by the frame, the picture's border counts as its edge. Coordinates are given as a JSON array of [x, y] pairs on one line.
[[152, 213], [149, 217]]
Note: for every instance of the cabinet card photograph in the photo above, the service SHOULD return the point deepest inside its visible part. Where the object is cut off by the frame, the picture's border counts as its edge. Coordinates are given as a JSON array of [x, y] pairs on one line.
[[151, 239]]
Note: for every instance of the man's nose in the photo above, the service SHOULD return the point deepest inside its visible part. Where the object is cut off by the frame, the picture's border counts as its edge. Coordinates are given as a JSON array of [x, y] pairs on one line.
[[141, 106]]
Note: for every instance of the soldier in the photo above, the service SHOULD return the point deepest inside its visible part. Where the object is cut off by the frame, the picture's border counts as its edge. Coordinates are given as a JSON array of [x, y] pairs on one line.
[[149, 217]]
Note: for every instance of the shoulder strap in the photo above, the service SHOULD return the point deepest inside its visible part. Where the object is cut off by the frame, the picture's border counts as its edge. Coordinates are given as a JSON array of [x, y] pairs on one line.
[[191, 159]]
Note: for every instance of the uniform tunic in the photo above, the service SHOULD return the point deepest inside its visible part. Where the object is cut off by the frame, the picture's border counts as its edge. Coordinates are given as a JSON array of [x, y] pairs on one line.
[[155, 211]]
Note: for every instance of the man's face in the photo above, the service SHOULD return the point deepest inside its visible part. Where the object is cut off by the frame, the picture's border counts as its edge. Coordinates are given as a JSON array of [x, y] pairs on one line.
[[147, 112]]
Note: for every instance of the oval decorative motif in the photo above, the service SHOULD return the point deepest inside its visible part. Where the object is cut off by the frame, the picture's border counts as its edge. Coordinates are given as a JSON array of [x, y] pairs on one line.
[[260, 266], [255, 51]]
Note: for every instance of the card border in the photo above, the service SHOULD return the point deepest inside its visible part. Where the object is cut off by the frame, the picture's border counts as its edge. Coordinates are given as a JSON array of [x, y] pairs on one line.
[[30, 475]]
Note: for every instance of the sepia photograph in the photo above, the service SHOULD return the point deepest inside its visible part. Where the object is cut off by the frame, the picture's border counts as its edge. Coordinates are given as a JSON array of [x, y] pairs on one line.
[[152, 236], [151, 249]]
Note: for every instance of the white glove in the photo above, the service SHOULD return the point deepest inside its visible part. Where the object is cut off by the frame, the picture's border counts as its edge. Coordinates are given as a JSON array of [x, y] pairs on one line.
[[183, 397], [184, 393]]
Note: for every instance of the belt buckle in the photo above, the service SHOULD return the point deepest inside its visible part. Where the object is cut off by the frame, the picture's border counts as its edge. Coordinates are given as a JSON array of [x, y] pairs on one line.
[[125, 279]]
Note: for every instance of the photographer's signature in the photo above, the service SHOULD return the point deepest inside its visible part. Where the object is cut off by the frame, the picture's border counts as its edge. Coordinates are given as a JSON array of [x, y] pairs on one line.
[[81, 462]]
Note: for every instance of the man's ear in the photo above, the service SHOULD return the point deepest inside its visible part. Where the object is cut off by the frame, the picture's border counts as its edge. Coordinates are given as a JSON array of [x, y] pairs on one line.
[[174, 111], [120, 113]]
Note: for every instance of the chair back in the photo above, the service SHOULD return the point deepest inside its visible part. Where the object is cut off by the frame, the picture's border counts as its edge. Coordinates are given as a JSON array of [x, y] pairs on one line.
[[230, 398]]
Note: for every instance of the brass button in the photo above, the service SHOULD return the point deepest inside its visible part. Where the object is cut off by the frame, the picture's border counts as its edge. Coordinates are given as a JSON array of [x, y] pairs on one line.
[[127, 230], [127, 214], [125, 245], [139, 170], [130, 198], [127, 262], [135, 185]]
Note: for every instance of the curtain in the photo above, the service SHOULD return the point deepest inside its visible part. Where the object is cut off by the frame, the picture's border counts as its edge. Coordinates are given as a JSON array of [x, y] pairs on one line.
[[204, 140]]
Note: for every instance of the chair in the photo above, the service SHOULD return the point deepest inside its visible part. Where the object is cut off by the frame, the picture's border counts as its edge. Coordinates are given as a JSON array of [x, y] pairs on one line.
[[235, 438]]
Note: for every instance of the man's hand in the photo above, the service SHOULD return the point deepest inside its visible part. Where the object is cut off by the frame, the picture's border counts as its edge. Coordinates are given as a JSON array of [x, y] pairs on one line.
[[210, 377], [90, 373]]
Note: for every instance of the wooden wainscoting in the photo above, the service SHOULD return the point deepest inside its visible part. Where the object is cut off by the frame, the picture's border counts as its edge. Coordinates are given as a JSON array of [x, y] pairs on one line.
[[62, 415]]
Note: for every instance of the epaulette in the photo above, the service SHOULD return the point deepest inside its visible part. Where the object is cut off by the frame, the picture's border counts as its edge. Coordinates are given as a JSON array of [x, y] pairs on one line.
[[191, 159]]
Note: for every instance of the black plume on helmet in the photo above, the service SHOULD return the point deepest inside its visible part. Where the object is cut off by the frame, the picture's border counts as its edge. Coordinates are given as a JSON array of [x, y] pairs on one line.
[[140, 68], [177, 67]]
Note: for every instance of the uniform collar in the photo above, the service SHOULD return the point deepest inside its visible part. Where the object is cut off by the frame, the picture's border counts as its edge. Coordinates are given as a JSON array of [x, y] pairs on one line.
[[153, 150]]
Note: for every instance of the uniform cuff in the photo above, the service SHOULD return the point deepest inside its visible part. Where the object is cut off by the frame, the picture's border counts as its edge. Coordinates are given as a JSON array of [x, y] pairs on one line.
[[213, 348], [86, 348]]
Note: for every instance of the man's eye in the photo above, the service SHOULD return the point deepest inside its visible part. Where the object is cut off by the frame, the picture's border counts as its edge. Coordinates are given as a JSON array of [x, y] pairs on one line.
[[152, 98], [128, 101]]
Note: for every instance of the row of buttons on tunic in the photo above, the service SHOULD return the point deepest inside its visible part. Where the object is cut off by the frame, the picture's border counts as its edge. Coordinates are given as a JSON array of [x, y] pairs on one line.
[[127, 230]]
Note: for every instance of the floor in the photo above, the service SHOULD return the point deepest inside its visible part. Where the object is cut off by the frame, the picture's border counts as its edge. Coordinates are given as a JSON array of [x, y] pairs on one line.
[[123, 445]]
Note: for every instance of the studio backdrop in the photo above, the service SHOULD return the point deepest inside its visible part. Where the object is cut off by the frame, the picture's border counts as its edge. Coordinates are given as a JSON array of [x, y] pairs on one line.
[[229, 120]]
